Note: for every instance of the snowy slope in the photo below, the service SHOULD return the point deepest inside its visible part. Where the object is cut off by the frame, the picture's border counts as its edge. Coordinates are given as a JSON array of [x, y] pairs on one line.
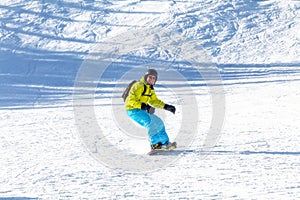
[[231, 68]]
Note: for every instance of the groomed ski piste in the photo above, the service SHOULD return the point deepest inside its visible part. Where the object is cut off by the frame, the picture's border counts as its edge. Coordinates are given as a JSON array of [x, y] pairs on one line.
[[231, 68]]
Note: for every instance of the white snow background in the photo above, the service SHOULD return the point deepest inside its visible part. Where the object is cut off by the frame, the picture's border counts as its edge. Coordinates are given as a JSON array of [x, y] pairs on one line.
[[254, 45]]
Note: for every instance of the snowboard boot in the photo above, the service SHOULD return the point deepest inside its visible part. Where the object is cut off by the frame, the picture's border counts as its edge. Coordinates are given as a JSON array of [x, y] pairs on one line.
[[166, 146], [157, 146], [170, 145]]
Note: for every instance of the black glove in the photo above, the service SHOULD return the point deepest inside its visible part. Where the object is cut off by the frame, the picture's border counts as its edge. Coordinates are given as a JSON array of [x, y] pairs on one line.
[[170, 108], [148, 108]]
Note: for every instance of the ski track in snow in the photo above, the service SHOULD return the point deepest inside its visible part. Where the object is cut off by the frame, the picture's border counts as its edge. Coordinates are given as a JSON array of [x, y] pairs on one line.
[[256, 46]]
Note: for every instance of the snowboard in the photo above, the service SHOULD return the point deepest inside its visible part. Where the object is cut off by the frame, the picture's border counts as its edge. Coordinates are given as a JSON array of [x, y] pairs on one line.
[[161, 151]]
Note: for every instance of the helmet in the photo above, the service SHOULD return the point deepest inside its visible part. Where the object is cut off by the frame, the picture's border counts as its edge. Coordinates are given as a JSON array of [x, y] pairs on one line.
[[152, 72]]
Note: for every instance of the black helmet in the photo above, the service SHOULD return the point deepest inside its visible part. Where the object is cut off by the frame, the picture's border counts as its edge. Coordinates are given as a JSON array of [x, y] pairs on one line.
[[152, 72]]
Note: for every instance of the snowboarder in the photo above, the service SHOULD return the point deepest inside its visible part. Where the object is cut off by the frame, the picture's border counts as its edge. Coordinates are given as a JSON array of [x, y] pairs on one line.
[[140, 105]]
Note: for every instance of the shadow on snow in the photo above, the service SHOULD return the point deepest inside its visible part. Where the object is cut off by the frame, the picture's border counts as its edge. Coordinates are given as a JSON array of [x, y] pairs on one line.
[[177, 152], [27, 81]]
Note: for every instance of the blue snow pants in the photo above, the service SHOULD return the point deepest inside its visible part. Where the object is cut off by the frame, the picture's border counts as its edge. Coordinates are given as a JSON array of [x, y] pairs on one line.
[[155, 126]]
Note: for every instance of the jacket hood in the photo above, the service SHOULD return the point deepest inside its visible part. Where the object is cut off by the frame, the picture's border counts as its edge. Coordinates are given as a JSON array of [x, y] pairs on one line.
[[145, 82]]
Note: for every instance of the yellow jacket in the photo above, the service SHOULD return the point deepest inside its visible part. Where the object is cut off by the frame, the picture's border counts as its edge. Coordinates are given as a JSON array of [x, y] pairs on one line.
[[136, 97]]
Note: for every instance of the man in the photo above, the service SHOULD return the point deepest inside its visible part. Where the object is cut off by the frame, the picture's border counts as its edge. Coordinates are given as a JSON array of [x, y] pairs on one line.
[[139, 107]]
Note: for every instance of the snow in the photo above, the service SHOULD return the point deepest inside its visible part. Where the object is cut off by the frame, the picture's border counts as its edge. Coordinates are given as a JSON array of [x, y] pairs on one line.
[[231, 69]]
